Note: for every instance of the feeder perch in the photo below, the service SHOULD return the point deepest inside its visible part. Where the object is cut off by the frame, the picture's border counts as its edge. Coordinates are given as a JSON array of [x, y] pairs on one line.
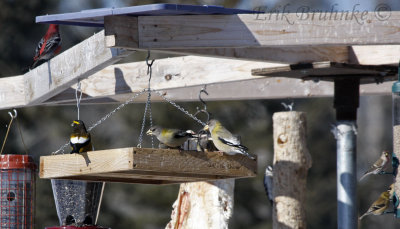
[[17, 189], [147, 166]]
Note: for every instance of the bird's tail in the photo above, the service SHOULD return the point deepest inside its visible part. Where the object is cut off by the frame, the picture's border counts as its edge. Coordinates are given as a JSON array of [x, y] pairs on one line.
[[365, 175], [33, 65], [246, 153], [361, 217]]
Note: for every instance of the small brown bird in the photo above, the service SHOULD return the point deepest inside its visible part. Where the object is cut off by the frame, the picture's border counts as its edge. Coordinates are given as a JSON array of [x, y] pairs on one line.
[[379, 206], [380, 165], [80, 139]]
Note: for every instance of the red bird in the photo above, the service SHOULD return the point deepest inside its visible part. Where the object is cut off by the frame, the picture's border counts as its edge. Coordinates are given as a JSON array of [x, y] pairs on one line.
[[48, 46]]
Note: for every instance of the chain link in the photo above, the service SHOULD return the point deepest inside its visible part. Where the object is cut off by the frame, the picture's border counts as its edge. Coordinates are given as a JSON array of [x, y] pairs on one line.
[[179, 107], [61, 149]]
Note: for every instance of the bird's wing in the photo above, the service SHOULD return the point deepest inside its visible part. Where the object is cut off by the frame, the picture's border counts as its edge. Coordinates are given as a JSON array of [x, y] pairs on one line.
[[51, 44], [268, 185], [225, 136], [233, 144], [38, 48], [180, 133]]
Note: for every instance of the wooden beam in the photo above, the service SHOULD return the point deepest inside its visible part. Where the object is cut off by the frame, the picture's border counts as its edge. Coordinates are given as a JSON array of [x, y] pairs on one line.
[[167, 74], [291, 55], [180, 78], [252, 30], [375, 54], [64, 70], [140, 164], [12, 92]]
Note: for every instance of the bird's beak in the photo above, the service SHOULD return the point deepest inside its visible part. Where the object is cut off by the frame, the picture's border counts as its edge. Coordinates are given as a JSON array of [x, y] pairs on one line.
[[206, 127], [149, 132]]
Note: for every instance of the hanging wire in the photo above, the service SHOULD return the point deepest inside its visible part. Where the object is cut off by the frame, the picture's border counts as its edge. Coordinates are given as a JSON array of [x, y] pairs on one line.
[[8, 129], [78, 100], [148, 104]]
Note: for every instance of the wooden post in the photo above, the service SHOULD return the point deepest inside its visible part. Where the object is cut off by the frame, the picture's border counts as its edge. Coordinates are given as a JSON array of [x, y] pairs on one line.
[[202, 204], [291, 163]]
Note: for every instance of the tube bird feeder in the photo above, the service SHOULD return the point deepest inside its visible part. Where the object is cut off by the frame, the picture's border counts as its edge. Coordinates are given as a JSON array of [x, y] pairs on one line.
[[17, 189], [77, 203]]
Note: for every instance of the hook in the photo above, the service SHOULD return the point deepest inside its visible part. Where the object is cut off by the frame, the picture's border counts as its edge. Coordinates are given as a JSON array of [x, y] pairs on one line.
[[288, 107], [204, 110], [13, 116], [147, 59]]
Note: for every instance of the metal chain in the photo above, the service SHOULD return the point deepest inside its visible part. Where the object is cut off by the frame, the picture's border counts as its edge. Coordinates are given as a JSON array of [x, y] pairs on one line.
[[179, 107], [78, 100], [148, 104], [61, 149]]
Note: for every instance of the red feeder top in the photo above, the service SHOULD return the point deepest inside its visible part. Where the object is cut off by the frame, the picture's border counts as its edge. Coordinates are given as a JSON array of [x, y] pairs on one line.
[[16, 161]]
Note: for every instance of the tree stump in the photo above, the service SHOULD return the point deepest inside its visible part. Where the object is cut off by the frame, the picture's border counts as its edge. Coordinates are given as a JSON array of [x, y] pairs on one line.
[[203, 205], [291, 163]]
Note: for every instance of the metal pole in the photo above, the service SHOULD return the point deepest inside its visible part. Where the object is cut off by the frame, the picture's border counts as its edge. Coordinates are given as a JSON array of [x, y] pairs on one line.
[[346, 102], [346, 142]]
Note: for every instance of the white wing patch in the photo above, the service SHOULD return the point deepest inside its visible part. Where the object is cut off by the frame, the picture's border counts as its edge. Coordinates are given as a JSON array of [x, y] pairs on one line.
[[79, 140]]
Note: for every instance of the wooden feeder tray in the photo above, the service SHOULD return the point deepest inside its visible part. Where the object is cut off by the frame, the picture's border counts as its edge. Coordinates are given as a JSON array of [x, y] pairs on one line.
[[147, 166]]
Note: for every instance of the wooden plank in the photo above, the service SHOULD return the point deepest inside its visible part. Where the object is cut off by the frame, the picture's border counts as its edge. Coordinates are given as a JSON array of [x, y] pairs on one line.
[[263, 30], [147, 164], [12, 92], [180, 79], [375, 54], [167, 74], [290, 55], [64, 70]]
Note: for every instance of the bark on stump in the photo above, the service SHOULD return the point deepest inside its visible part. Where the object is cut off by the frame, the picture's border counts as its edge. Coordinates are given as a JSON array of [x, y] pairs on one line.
[[291, 163], [203, 205]]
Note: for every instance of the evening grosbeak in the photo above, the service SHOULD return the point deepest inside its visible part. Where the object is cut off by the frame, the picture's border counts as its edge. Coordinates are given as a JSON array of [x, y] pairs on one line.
[[381, 204], [80, 139], [224, 140], [48, 46], [172, 138], [380, 165]]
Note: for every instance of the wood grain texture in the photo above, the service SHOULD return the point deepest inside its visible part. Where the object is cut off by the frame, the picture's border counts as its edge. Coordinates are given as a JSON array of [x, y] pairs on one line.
[[375, 54], [289, 55], [12, 92], [291, 163], [252, 30], [64, 70], [176, 72], [119, 31], [203, 205], [135, 164]]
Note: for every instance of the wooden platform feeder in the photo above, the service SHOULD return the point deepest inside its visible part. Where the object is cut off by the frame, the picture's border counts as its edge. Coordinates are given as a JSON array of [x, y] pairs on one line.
[[147, 166]]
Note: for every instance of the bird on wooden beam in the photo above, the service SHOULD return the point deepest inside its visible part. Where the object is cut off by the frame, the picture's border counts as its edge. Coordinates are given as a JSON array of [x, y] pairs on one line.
[[48, 46], [224, 140], [381, 204], [380, 165], [80, 140], [172, 138]]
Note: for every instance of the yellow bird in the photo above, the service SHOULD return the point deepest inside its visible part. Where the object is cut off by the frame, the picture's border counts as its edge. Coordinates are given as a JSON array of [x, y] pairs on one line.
[[80, 140], [380, 205], [224, 140], [172, 138]]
